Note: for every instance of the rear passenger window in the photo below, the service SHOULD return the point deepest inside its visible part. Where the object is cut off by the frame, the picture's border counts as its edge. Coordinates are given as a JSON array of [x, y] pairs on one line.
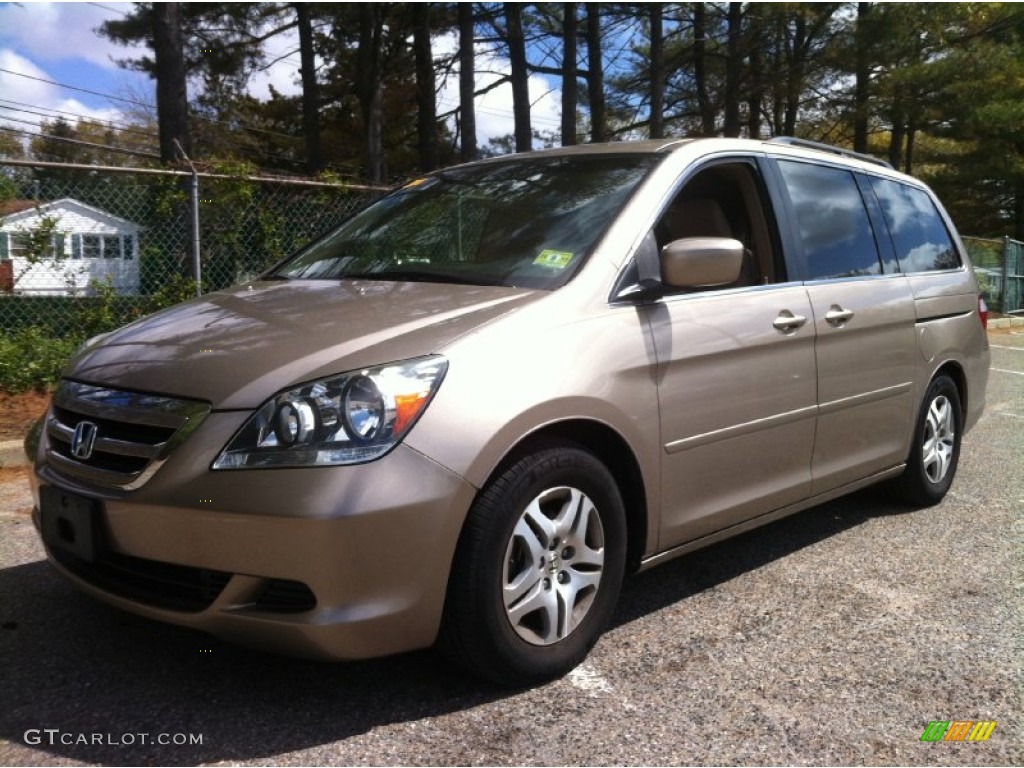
[[921, 239], [834, 226]]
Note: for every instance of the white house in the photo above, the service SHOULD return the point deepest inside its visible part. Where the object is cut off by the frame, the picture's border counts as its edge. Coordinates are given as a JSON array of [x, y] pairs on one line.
[[86, 244]]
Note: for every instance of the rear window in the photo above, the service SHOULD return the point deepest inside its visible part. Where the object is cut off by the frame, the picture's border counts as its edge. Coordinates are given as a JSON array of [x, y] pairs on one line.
[[834, 226], [919, 235]]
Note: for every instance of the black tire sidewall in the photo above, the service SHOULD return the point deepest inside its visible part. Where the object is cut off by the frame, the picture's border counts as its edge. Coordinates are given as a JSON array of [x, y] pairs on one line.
[[503, 502], [920, 485]]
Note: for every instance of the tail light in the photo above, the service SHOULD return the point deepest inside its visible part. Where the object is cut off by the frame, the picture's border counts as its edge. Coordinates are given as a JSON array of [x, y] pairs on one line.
[[983, 311]]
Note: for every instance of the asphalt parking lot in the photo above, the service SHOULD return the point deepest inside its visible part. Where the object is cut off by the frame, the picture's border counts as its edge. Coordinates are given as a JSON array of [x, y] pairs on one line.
[[832, 637]]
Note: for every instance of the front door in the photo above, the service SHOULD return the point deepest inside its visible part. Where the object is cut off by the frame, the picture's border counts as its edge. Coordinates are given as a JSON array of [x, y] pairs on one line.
[[736, 368]]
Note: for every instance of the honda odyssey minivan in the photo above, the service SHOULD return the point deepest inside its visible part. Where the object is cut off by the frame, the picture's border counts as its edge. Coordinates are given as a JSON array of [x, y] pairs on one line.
[[464, 415]]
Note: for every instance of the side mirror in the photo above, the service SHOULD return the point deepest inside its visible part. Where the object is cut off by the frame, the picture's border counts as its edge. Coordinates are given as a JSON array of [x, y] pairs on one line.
[[701, 262]]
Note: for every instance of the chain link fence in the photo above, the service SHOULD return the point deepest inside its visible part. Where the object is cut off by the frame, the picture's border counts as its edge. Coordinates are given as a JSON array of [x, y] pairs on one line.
[[999, 267], [85, 249]]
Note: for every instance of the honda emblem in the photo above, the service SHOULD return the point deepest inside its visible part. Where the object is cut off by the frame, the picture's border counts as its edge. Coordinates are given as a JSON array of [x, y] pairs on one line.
[[83, 440]]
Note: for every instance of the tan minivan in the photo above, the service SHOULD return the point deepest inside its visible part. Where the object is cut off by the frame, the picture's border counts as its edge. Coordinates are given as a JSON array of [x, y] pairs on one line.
[[461, 417]]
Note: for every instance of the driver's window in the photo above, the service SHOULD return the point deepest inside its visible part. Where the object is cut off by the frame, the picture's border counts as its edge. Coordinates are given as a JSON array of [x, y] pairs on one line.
[[725, 200]]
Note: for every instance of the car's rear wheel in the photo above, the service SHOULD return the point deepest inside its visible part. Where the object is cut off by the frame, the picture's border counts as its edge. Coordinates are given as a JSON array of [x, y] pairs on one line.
[[935, 452], [538, 568]]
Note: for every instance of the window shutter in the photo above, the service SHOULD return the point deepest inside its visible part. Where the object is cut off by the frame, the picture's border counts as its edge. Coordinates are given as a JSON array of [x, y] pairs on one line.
[[58, 245], [76, 246], [3, 247]]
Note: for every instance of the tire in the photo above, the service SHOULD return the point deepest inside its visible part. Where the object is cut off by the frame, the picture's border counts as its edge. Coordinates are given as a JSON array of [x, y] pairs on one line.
[[935, 452], [538, 568]]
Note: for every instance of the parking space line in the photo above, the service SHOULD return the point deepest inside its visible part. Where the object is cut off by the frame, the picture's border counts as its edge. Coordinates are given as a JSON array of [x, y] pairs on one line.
[[1002, 346], [1003, 370]]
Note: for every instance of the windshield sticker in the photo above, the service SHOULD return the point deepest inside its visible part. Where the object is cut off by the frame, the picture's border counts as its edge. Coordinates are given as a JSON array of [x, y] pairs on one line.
[[425, 180], [553, 259]]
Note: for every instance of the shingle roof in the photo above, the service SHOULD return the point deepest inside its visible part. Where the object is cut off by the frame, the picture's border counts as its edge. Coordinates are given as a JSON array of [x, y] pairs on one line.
[[7, 207]]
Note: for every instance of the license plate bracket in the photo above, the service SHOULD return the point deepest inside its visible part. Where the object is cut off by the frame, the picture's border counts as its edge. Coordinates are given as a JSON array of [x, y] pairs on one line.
[[71, 523]]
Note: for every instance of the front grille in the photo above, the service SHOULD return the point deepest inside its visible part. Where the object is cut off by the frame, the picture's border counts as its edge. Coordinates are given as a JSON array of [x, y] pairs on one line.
[[113, 438], [162, 585]]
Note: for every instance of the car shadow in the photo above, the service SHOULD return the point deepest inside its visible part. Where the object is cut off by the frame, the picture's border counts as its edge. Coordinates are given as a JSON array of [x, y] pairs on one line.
[[70, 663], [678, 579]]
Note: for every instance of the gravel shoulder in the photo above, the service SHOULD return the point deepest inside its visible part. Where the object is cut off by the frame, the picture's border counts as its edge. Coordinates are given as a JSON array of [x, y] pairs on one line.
[[830, 638]]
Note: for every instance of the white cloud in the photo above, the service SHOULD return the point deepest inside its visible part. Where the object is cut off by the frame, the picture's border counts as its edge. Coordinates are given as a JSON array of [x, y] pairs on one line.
[[283, 73], [51, 32], [17, 91], [23, 89], [494, 117]]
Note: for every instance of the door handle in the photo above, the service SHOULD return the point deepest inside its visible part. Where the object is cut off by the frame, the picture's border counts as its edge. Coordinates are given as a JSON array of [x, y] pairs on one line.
[[838, 316], [787, 322]]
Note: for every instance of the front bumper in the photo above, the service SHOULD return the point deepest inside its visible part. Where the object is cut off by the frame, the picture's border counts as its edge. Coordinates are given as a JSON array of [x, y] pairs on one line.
[[327, 562]]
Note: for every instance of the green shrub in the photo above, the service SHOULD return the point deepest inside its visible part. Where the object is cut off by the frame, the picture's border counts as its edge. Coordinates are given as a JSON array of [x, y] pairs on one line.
[[30, 358]]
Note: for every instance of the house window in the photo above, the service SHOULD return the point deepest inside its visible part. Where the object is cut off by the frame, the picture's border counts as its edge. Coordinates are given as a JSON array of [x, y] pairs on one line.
[[92, 246], [111, 246], [19, 245], [128, 247]]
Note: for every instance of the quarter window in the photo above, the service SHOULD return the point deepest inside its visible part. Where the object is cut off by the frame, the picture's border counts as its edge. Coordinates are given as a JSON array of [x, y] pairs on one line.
[[921, 240], [833, 224]]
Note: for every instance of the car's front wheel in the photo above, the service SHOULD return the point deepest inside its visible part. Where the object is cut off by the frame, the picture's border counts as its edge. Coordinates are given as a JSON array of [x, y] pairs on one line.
[[538, 568]]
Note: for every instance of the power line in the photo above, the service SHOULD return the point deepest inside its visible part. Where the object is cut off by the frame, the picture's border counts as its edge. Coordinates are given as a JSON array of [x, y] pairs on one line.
[[252, 151], [59, 113], [108, 8], [104, 147], [137, 103], [76, 88]]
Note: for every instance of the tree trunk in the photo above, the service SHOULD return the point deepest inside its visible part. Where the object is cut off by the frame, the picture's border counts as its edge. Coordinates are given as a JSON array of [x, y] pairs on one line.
[[700, 71], [171, 86], [426, 103], [755, 97], [896, 136], [861, 92], [1018, 212], [595, 76], [733, 71], [310, 91], [520, 77], [657, 125], [467, 88], [569, 29], [795, 80], [780, 65], [908, 162], [369, 88]]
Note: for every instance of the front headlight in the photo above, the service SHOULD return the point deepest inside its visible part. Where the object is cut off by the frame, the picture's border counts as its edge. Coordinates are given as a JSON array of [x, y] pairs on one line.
[[346, 419]]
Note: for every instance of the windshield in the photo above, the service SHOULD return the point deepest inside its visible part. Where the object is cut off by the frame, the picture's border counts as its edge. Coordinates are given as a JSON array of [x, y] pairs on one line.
[[529, 222]]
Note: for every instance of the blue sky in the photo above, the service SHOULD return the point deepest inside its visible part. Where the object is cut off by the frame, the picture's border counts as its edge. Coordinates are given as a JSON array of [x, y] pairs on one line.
[[58, 42]]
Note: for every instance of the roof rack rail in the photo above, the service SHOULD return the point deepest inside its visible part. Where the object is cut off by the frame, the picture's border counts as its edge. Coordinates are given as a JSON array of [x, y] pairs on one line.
[[807, 143]]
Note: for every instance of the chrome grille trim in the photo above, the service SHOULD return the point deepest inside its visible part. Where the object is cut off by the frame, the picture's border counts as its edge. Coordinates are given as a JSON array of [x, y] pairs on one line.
[[135, 461], [60, 431]]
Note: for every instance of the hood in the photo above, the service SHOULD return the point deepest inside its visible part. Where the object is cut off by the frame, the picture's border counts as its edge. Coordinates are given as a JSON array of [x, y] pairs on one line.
[[237, 347]]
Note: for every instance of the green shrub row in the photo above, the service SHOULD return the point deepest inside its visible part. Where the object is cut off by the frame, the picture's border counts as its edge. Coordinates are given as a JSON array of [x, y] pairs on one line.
[[34, 351], [32, 358]]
